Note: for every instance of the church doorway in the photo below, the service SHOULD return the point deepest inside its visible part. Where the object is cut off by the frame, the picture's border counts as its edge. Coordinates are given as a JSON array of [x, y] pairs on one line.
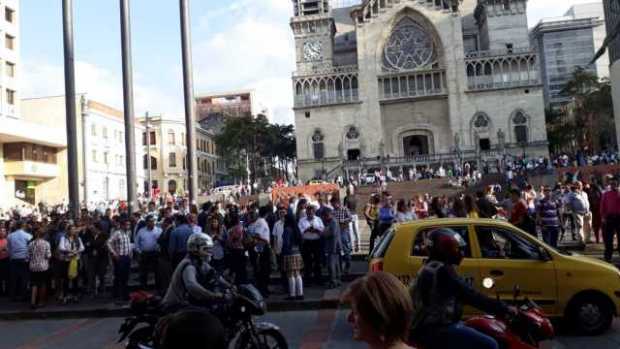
[[416, 145], [484, 144], [353, 154]]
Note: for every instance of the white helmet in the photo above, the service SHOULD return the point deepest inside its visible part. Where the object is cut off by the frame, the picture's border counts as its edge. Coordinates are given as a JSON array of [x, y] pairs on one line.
[[200, 244]]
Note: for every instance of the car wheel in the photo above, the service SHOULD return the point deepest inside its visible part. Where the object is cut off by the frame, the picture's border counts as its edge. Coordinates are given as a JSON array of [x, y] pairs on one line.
[[591, 315]]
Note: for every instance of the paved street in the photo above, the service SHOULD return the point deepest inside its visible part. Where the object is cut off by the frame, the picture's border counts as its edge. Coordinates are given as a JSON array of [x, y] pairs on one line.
[[308, 330]]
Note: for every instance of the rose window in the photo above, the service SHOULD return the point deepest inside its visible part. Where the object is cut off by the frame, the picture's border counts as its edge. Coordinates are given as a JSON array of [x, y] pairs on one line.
[[409, 47]]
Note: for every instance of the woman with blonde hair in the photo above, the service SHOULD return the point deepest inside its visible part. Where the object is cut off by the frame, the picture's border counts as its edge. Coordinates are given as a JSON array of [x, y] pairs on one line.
[[381, 311]]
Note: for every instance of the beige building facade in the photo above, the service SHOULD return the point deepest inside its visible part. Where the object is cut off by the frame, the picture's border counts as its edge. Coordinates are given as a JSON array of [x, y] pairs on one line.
[[410, 80], [164, 141]]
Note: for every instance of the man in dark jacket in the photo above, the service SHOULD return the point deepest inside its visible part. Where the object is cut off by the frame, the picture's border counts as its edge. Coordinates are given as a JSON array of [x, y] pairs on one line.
[[439, 294]]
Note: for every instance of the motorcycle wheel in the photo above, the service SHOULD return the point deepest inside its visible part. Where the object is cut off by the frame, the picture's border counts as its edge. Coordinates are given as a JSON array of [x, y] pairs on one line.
[[272, 339]]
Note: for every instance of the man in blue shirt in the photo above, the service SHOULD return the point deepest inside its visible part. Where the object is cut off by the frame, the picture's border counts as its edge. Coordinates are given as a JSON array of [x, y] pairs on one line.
[[148, 250], [18, 264], [177, 247]]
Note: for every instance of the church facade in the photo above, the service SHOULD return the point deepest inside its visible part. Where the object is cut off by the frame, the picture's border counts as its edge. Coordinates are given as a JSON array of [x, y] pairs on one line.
[[410, 79]]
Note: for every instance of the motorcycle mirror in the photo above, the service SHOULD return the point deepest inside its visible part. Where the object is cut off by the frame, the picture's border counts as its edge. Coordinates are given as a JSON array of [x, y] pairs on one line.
[[488, 283]]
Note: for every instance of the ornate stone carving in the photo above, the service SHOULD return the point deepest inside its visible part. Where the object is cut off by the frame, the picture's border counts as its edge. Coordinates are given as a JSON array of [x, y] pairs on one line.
[[409, 47], [317, 136], [519, 118], [353, 133], [481, 121]]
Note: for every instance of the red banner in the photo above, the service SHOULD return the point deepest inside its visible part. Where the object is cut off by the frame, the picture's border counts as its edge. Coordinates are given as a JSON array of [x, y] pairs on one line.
[[286, 192], [586, 172]]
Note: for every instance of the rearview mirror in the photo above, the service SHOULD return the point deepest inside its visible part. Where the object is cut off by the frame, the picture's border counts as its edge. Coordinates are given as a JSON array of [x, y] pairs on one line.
[[488, 283]]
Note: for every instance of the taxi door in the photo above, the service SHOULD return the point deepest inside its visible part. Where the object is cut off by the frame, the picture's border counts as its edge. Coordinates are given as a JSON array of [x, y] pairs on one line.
[[512, 259], [413, 250]]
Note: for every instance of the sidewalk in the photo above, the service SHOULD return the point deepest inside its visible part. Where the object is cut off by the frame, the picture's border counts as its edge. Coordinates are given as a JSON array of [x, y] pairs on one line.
[[316, 297]]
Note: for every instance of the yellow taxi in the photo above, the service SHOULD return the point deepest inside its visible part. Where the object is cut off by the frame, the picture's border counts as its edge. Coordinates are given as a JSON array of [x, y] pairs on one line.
[[583, 290]]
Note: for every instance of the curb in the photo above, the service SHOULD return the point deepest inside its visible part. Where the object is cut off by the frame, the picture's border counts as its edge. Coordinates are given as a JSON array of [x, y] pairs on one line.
[[100, 313]]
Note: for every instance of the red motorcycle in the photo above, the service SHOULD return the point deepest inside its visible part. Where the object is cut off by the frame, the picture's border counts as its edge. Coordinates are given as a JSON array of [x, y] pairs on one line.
[[527, 330]]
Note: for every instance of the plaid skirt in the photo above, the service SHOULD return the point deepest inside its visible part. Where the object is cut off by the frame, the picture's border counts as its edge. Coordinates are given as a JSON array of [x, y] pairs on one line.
[[292, 263]]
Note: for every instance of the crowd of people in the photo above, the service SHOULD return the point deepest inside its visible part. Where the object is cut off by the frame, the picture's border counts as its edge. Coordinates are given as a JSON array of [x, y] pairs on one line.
[[305, 239]]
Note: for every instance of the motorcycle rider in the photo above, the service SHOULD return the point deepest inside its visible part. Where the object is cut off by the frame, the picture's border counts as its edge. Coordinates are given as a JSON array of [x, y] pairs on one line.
[[439, 294], [194, 282]]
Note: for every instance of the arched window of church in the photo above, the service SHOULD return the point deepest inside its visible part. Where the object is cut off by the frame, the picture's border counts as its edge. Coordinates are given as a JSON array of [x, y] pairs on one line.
[[317, 145], [519, 121], [481, 121], [409, 47]]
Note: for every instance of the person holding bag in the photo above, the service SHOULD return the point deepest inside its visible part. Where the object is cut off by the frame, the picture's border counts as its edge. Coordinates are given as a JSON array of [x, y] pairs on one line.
[[71, 248]]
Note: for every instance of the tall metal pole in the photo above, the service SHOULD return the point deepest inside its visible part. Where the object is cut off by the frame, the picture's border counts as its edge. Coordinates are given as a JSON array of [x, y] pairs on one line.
[[188, 88], [147, 121], [70, 102], [130, 135]]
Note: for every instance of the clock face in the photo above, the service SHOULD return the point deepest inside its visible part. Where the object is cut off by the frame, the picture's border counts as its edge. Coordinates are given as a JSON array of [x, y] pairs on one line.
[[313, 51]]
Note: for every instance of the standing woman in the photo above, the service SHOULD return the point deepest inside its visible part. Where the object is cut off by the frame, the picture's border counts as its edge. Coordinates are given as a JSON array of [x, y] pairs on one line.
[[39, 254], [292, 262], [235, 244], [471, 207], [420, 207], [215, 229], [403, 212], [71, 248], [4, 260]]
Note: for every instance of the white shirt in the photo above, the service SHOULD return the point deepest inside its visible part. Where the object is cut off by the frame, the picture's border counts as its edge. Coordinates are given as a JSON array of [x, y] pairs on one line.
[[305, 224], [278, 230], [261, 229]]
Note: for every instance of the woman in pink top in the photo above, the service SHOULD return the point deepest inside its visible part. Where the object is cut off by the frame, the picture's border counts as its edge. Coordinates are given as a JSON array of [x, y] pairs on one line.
[[4, 260], [421, 207]]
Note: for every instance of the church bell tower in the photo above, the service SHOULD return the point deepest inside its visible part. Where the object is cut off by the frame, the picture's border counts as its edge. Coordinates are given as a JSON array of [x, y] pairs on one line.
[[314, 29]]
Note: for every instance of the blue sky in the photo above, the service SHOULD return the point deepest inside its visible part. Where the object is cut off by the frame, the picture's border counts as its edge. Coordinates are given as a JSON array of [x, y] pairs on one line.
[[237, 44]]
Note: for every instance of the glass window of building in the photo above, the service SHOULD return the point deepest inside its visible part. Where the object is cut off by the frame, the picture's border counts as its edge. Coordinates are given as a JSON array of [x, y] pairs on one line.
[[9, 41], [93, 130], [317, 145], [172, 160], [94, 155], [9, 14], [105, 158], [10, 69], [10, 97], [171, 139], [153, 138], [104, 132]]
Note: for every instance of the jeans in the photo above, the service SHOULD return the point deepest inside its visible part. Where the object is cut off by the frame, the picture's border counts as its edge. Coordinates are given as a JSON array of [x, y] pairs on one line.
[[4, 276], [550, 235], [311, 253], [334, 268], [148, 264], [238, 266], [459, 336], [610, 230], [263, 274], [96, 268], [121, 277], [18, 278], [354, 229]]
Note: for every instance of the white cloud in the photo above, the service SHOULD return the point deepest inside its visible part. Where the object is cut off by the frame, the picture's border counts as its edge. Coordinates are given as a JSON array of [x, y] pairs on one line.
[[539, 9], [41, 79], [256, 51]]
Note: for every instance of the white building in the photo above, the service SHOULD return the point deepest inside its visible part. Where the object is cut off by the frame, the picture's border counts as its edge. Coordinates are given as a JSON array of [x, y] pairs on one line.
[[101, 145], [105, 154], [397, 82]]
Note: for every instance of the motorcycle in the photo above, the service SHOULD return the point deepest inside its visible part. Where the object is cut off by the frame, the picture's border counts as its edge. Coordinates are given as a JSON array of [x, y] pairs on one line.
[[243, 332], [526, 330]]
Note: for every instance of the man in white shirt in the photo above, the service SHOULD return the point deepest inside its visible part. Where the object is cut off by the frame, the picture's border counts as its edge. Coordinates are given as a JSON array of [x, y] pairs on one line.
[[581, 212], [147, 248], [259, 230], [311, 228]]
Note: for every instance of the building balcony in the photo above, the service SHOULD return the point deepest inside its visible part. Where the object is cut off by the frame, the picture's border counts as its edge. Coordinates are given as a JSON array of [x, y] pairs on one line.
[[413, 85], [332, 85], [30, 169], [489, 70], [326, 98]]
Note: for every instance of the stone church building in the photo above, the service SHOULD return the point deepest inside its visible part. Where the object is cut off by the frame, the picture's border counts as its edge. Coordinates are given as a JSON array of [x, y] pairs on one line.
[[398, 82]]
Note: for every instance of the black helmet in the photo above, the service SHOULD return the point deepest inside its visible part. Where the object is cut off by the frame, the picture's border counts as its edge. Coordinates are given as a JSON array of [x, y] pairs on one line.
[[446, 246]]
